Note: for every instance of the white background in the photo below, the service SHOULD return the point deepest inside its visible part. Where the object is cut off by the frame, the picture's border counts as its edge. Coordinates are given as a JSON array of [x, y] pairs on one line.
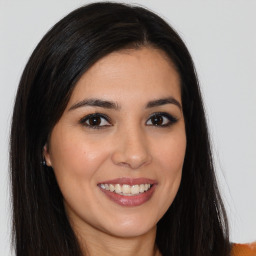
[[221, 36]]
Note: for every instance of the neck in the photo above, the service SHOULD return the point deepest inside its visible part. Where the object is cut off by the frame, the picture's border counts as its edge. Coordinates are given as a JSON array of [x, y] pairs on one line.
[[96, 242]]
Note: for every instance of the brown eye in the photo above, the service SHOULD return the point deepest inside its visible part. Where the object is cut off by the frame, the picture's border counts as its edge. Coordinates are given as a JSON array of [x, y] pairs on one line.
[[161, 120], [157, 120], [95, 121]]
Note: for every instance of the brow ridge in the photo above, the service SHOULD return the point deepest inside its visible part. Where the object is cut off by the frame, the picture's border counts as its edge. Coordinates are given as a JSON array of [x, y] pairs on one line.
[[164, 101], [113, 105], [95, 103]]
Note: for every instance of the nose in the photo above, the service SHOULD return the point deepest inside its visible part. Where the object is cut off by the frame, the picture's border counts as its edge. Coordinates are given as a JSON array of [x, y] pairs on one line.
[[131, 149]]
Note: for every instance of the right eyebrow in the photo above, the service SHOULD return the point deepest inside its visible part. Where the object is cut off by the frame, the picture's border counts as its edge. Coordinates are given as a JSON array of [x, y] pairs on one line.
[[95, 103]]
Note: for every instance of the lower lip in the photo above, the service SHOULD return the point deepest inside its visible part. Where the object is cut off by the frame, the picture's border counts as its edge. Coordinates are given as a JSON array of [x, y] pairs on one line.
[[130, 200]]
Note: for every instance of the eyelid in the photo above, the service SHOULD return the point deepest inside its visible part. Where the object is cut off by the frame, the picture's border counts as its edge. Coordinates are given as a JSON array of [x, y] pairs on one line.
[[101, 115], [172, 119]]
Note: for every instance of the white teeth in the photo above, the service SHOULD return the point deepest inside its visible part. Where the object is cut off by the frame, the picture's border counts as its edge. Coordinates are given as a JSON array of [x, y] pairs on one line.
[[142, 188], [111, 187], [135, 189], [118, 188], [126, 189]]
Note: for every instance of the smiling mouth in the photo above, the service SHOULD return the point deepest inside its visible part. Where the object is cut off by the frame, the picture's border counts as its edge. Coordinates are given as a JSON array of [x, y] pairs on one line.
[[126, 189], [129, 191]]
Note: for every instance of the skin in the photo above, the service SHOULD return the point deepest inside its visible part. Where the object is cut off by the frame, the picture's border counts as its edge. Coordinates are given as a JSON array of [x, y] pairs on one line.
[[130, 145]]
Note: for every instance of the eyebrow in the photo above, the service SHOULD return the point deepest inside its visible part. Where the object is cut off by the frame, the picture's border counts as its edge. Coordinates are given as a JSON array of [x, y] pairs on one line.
[[96, 103], [164, 101], [113, 105]]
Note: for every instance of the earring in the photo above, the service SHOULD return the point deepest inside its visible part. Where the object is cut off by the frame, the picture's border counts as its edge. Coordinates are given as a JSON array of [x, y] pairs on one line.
[[43, 163]]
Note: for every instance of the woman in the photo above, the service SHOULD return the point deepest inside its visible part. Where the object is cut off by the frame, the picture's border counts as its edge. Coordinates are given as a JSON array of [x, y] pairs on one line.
[[109, 145]]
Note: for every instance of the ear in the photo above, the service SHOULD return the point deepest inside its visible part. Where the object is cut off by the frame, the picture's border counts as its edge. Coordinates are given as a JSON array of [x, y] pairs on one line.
[[46, 155]]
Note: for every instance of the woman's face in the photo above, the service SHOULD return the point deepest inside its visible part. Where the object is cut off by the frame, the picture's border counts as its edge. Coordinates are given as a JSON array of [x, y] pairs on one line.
[[118, 149]]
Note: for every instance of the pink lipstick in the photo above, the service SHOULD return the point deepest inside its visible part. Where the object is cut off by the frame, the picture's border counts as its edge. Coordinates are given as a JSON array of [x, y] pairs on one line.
[[128, 191]]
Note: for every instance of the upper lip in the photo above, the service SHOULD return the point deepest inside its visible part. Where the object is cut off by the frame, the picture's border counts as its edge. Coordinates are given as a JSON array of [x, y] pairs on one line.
[[129, 181]]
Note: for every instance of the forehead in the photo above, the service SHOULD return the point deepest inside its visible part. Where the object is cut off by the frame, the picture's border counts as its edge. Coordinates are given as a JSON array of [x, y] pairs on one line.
[[134, 73]]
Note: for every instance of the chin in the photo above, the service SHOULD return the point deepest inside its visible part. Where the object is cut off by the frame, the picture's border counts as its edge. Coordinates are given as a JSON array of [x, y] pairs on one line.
[[130, 227]]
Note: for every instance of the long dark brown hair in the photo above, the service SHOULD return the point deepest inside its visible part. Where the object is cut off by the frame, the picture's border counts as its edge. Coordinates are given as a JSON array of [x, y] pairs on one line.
[[195, 224]]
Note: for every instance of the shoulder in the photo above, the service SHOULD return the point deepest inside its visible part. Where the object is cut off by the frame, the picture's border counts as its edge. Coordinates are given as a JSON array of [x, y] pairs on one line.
[[243, 249]]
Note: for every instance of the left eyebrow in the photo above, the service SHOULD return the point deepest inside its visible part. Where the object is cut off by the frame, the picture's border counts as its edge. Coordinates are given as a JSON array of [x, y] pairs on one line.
[[164, 101]]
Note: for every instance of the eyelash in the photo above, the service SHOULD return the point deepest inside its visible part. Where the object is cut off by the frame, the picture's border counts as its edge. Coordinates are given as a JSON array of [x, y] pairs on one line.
[[170, 119], [165, 117], [96, 115]]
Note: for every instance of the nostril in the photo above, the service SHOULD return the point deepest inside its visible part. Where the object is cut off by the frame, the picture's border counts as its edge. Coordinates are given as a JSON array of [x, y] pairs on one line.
[[133, 161], [131, 149]]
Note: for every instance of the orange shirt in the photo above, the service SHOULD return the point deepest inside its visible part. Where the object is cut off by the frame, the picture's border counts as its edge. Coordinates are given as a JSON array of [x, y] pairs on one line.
[[244, 249]]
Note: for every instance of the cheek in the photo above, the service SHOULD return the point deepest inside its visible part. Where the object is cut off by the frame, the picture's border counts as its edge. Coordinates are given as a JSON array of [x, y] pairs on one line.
[[75, 154], [76, 161], [171, 153], [170, 161]]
